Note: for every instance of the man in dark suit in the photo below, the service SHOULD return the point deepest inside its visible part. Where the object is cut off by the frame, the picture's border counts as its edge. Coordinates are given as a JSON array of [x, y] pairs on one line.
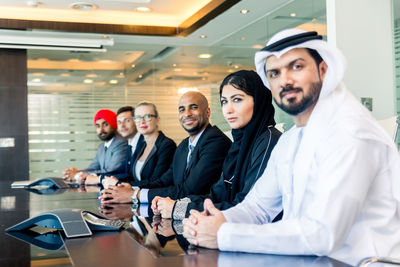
[[127, 129], [197, 162], [110, 154]]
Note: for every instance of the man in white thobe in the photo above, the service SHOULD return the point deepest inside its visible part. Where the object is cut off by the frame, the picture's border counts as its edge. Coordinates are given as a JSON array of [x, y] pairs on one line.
[[335, 174]]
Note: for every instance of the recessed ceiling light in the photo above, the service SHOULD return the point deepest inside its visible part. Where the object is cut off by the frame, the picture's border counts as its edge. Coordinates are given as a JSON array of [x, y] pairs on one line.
[[230, 70], [236, 66], [174, 65], [258, 46], [244, 11], [83, 6], [33, 3], [88, 81], [113, 81], [203, 36], [91, 75], [133, 65], [36, 80], [65, 75], [143, 9], [105, 61], [293, 14], [140, 76], [204, 56]]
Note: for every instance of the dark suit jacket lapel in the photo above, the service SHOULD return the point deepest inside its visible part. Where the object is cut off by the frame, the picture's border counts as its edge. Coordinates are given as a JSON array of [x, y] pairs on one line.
[[106, 154], [195, 151], [181, 160]]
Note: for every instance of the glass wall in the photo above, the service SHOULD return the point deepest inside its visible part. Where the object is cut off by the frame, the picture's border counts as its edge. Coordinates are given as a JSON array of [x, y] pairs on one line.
[[66, 89]]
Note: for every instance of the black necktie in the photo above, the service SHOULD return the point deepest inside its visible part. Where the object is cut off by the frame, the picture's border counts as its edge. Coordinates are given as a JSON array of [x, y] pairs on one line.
[[189, 156]]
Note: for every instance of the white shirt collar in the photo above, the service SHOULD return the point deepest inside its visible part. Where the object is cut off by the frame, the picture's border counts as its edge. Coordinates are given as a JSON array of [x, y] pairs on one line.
[[108, 143], [194, 142], [133, 141]]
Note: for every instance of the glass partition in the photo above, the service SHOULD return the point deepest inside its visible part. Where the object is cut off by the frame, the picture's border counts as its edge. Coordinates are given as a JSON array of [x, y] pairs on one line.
[[67, 88]]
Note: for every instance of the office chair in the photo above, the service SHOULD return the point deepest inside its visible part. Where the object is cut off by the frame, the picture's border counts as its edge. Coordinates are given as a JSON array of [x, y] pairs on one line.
[[369, 261], [394, 131]]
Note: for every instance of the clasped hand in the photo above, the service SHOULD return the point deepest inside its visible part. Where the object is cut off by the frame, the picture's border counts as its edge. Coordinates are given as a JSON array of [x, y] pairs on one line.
[[120, 193], [163, 206], [201, 228]]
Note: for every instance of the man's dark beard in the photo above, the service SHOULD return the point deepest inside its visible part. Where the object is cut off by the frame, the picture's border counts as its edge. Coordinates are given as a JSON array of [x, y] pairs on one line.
[[306, 102], [195, 130], [107, 137]]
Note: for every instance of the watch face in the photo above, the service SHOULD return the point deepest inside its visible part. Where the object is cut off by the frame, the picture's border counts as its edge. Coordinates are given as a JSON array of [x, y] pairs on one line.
[[134, 197]]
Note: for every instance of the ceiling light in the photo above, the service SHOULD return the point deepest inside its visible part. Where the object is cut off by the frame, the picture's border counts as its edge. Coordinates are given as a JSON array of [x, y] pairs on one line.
[[105, 61], [182, 91], [49, 41], [36, 80], [174, 65], [133, 65], [203, 36], [88, 81], [236, 66], [33, 3], [293, 14], [38, 74], [91, 75], [204, 56], [74, 60], [257, 46], [113, 81], [65, 75], [244, 11], [83, 6], [143, 9], [140, 76]]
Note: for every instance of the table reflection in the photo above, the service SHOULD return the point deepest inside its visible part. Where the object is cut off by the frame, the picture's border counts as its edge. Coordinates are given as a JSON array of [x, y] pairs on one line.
[[147, 239]]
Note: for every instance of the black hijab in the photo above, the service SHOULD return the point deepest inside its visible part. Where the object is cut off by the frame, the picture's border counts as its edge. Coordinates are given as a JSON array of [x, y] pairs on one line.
[[239, 156]]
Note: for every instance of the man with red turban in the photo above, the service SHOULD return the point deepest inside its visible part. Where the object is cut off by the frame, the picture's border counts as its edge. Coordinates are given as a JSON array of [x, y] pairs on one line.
[[110, 154]]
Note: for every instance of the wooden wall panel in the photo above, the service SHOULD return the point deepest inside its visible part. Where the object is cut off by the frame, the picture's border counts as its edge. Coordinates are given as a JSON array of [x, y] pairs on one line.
[[13, 114]]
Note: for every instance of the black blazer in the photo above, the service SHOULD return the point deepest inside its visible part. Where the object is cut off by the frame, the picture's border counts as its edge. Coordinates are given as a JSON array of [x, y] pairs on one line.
[[204, 168], [260, 154], [158, 161], [124, 174]]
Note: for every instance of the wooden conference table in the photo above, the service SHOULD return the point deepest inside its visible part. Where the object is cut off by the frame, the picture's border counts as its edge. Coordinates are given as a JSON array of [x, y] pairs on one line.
[[159, 247]]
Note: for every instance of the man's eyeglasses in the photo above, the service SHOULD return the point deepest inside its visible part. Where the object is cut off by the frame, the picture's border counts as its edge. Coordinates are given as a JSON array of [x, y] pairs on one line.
[[146, 117]]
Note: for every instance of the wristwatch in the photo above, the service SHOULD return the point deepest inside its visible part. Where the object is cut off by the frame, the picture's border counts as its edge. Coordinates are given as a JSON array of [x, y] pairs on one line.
[[134, 198]]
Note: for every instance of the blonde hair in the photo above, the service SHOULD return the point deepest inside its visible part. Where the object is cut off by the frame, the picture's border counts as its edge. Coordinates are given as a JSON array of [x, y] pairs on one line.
[[145, 103]]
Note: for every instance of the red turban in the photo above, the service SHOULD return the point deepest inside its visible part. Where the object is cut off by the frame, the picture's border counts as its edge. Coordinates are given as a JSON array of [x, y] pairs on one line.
[[109, 116]]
